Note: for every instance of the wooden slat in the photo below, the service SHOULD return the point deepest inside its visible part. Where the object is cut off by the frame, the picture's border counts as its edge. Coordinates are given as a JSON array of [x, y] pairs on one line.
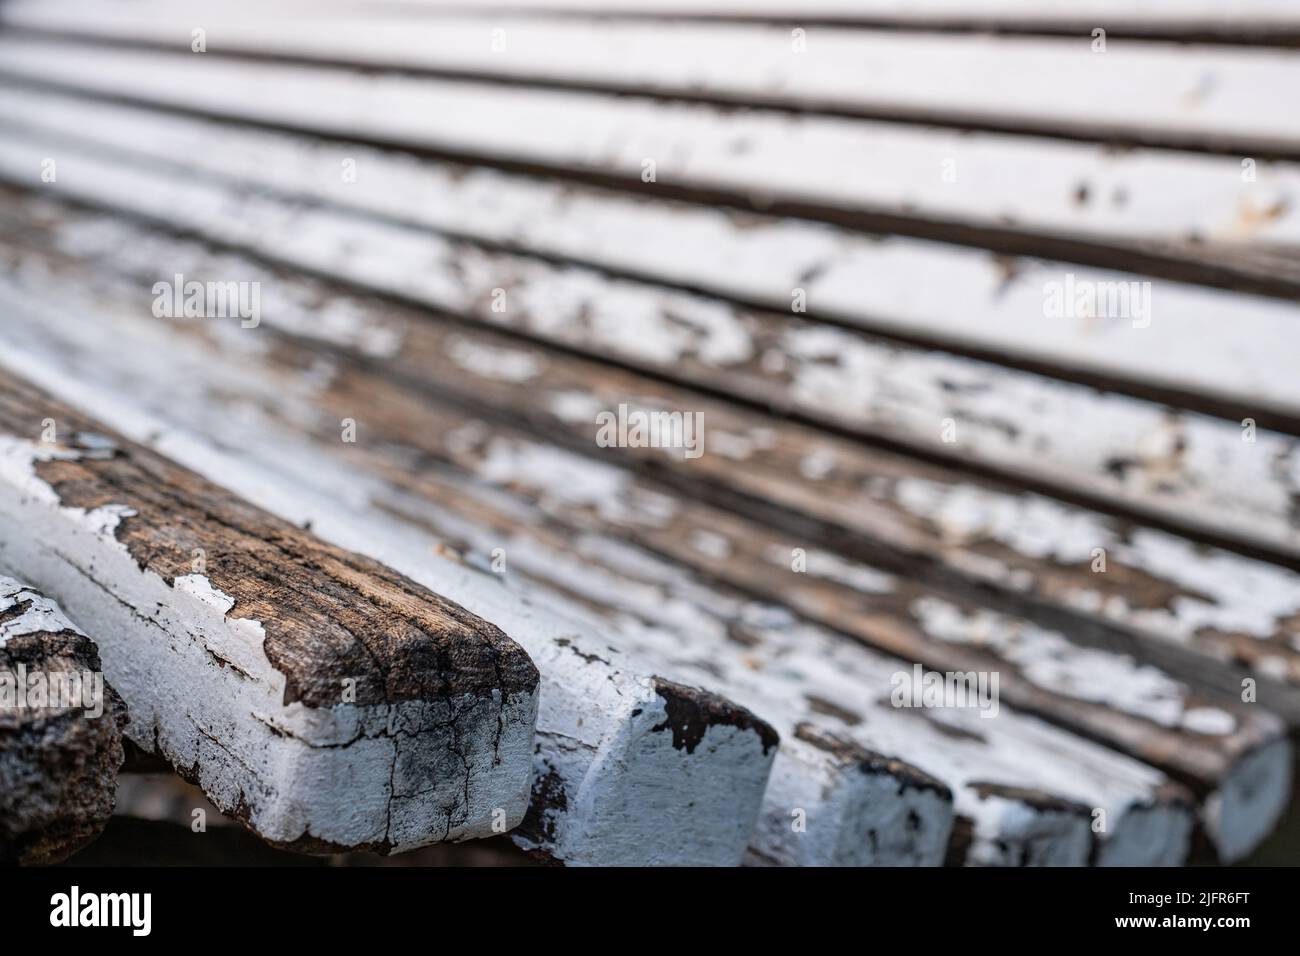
[[58, 759], [610, 733], [1251, 19], [261, 663], [1183, 468], [1246, 766], [1199, 98], [1017, 822], [1209, 616], [872, 175], [1202, 350], [630, 767]]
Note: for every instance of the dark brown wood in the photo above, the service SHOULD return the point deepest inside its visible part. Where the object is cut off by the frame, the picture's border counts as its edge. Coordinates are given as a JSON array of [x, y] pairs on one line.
[[219, 608], [58, 764]]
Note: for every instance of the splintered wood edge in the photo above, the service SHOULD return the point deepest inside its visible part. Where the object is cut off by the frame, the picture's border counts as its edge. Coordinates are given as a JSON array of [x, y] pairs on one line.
[[60, 764], [630, 768], [263, 663]]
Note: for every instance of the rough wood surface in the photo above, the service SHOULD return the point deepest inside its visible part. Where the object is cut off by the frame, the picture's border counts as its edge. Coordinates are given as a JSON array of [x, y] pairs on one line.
[[870, 174], [1020, 822], [264, 664], [1236, 760], [1205, 350], [58, 764], [1208, 616], [888, 490], [1169, 592], [629, 767], [1183, 468]]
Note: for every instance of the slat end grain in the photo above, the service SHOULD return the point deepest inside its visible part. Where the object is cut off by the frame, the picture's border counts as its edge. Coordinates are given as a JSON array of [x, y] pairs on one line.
[[58, 764]]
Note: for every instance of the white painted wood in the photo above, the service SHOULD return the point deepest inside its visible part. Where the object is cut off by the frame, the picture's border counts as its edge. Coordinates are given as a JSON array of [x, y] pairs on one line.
[[622, 799], [200, 690], [1022, 14], [1187, 468], [1210, 606], [818, 686], [1006, 830], [1218, 344], [1193, 94], [572, 474], [605, 744], [851, 166]]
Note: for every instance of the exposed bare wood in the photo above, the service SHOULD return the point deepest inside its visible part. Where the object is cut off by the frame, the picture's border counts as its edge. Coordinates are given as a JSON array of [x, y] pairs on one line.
[[1136, 709], [987, 306], [1202, 613], [261, 662], [1019, 823], [744, 386], [60, 731], [611, 734], [1181, 467]]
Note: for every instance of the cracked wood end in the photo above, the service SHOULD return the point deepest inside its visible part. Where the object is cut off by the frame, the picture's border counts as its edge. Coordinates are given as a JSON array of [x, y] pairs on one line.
[[58, 764], [1010, 828], [314, 694], [604, 734], [630, 769]]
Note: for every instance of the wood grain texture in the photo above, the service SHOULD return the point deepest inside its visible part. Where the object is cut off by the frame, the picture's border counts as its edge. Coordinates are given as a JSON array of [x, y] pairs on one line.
[[1208, 616], [301, 664], [1048, 833], [988, 306], [901, 618], [628, 766], [58, 764]]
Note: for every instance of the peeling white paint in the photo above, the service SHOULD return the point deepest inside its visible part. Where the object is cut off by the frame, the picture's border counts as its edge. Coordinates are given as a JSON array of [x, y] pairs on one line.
[[1222, 343], [41, 616], [252, 754], [1048, 659], [606, 756]]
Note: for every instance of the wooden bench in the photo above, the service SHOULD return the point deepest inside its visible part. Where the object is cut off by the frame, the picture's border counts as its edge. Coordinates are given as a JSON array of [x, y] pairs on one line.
[[911, 456]]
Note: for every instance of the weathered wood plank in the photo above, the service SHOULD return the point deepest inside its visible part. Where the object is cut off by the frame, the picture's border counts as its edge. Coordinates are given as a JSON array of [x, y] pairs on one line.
[[1200, 98], [1018, 823], [1210, 617], [1186, 469], [959, 186], [629, 768], [1236, 753], [267, 666], [1026, 793], [1246, 765], [60, 731], [1201, 349]]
